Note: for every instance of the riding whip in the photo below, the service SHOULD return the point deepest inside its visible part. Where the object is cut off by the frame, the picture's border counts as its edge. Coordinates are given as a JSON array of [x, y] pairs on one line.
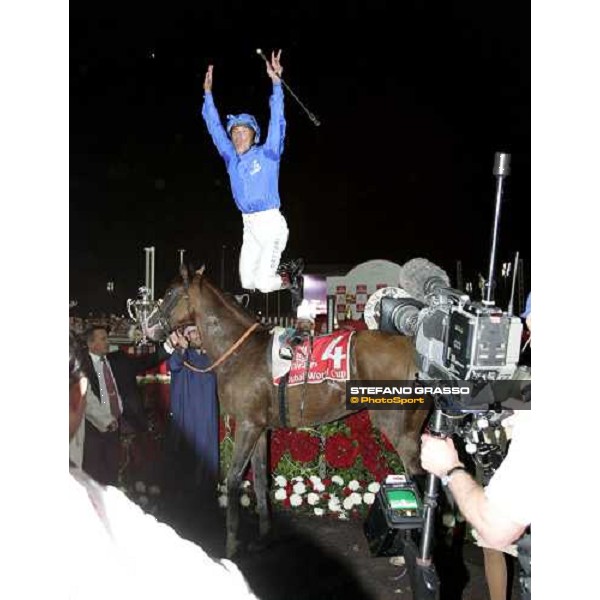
[[311, 116]]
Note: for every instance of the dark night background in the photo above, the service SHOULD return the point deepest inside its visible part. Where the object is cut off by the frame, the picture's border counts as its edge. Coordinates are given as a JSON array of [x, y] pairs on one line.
[[414, 98]]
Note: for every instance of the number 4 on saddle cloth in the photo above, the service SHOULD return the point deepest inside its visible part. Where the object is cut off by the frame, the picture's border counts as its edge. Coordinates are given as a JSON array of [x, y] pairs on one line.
[[327, 357]]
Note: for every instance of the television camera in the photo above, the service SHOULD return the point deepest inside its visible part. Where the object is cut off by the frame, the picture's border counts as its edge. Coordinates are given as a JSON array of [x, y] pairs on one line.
[[456, 339]]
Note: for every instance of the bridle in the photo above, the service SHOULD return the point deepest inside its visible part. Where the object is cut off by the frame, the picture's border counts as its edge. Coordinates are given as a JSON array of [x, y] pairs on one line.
[[225, 356], [165, 307]]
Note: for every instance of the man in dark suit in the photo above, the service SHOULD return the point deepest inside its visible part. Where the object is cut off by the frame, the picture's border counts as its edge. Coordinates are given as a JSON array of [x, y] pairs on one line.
[[114, 404]]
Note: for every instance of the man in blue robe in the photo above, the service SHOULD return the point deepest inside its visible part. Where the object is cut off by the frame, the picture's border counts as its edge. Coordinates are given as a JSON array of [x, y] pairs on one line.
[[194, 426]]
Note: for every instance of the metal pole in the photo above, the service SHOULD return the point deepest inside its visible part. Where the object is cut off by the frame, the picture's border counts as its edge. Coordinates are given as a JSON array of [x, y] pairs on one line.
[[501, 170], [150, 270], [153, 271], [459, 277], [330, 312], [147, 274], [514, 281], [521, 286]]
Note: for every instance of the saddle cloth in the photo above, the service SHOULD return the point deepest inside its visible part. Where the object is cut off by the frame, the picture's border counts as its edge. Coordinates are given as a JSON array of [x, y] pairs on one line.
[[330, 358]]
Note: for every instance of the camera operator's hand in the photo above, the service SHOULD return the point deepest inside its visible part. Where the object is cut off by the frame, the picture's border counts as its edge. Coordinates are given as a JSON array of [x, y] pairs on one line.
[[438, 455]]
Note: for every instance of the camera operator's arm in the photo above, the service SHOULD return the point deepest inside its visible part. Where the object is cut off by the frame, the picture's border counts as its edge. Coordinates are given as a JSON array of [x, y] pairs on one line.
[[496, 529]]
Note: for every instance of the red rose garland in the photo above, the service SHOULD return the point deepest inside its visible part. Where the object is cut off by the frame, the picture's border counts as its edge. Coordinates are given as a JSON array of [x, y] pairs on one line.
[[304, 447], [340, 452]]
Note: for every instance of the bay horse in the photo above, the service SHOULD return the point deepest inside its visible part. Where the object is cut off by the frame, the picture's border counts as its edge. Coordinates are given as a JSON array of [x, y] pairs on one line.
[[239, 350]]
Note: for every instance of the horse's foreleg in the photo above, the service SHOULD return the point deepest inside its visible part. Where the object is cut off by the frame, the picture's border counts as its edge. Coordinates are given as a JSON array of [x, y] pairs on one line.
[[403, 429], [259, 468], [245, 438]]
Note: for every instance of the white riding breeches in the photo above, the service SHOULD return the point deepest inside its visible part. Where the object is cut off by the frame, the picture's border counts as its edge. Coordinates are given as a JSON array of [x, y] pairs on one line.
[[265, 236]]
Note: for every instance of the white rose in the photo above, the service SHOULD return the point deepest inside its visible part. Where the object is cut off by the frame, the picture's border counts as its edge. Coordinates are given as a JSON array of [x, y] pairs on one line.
[[223, 501], [374, 487], [334, 505], [299, 488], [245, 500], [318, 487], [295, 500], [318, 511], [280, 494], [140, 487], [281, 481], [356, 498], [315, 480], [312, 498], [348, 502], [369, 498], [337, 479], [353, 485]]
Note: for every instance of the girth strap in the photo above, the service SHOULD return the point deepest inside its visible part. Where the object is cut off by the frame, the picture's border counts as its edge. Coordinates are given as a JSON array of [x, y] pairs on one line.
[[281, 394]]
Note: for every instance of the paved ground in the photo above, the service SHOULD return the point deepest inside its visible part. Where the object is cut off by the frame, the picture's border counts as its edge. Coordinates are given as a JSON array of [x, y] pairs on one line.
[[312, 557]]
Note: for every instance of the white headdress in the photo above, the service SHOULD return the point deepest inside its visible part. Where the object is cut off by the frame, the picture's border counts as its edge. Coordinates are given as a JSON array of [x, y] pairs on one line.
[[306, 311]]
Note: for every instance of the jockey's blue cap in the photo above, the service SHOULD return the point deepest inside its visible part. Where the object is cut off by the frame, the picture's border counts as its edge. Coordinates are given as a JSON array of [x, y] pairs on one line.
[[527, 310], [243, 120]]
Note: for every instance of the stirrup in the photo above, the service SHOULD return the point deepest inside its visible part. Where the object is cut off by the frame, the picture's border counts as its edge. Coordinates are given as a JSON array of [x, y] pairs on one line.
[[293, 267], [286, 353]]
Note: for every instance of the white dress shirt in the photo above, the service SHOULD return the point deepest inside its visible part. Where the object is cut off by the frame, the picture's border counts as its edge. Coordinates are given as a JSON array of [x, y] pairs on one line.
[[99, 367], [97, 410]]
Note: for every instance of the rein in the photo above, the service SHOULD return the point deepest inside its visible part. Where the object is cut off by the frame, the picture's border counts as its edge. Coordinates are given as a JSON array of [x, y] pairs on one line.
[[224, 357]]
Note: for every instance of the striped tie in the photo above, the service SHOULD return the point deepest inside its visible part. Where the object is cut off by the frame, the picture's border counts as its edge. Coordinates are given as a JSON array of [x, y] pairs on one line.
[[111, 388]]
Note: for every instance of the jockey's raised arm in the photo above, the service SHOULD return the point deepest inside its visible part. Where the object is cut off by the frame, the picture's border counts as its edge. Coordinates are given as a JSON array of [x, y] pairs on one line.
[[276, 133], [213, 120]]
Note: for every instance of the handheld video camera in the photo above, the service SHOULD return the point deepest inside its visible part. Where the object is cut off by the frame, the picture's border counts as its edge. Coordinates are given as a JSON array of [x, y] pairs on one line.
[[456, 339]]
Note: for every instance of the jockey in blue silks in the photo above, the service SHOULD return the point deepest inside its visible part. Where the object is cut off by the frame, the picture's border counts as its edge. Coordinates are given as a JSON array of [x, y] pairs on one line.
[[254, 174]]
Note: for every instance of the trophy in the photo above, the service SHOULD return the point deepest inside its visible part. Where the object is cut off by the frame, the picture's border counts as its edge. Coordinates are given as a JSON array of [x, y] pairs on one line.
[[143, 307]]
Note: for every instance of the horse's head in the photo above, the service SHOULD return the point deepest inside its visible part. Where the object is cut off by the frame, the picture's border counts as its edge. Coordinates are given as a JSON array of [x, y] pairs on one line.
[[175, 310]]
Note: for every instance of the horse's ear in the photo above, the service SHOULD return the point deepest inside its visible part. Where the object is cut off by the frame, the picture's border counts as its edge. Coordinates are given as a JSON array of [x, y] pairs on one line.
[[183, 271], [200, 271]]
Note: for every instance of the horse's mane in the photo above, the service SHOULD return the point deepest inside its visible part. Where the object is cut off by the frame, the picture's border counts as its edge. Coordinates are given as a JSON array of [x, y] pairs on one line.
[[228, 299]]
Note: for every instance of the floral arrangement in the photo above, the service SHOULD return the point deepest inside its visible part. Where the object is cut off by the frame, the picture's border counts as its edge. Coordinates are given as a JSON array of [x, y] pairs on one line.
[[333, 469], [315, 496]]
